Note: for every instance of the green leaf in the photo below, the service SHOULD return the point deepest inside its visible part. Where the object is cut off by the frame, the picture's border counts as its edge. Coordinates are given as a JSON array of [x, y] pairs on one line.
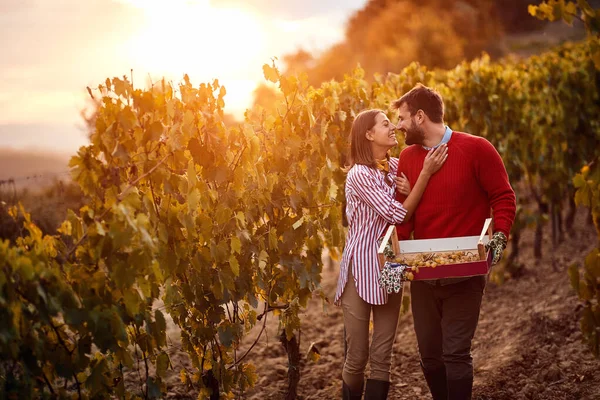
[[120, 87], [532, 10], [313, 353], [162, 364], [226, 334], [95, 381], [584, 293], [154, 131], [124, 357], [196, 150], [65, 228], [82, 377], [161, 323], [298, 223], [222, 214], [145, 287], [100, 229], [273, 242], [311, 118], [333, 190], [262, 259], [188, 118], [122, 275], [570, 8], [592, 265], [235, 265], [191, 176], [270, 73], [127, 119], [586, 8], [193, 199], [227, 279], [154, 391], [236, 245], [254, 147], [249, 374], [241, 218]]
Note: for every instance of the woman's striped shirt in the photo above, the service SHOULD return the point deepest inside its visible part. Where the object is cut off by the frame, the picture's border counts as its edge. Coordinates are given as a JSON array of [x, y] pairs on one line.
[[370, 209]]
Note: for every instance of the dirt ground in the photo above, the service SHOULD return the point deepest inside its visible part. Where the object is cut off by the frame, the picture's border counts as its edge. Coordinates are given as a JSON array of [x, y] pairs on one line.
[[527, 346]]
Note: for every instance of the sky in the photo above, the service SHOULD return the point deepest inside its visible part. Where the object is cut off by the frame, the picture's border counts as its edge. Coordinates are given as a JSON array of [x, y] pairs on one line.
[[53, 49]]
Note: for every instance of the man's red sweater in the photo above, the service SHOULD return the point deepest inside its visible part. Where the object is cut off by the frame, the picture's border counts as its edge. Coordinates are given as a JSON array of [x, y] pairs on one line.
[[462, 194]]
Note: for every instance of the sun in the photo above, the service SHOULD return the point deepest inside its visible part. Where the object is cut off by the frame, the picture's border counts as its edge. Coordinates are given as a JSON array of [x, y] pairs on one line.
[[180, 37]]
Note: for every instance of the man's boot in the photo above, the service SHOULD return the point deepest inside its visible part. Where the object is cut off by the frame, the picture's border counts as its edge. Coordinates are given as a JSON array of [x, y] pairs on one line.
[[349, 394], [376, 390], [436, 380], [460, 389]]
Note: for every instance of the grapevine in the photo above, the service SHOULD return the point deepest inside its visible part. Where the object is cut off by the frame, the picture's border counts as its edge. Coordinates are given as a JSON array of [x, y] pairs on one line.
[[228, 224]]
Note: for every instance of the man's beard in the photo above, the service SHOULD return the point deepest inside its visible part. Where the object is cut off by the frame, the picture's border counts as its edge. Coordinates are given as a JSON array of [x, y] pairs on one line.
[[414, 134]]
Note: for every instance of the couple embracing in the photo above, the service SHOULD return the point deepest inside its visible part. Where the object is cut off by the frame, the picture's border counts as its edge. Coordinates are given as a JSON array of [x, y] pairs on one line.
[[445, 184]]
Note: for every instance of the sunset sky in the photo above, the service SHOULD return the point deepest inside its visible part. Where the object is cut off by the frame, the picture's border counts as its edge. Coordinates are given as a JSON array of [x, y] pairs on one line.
[[53, 49]]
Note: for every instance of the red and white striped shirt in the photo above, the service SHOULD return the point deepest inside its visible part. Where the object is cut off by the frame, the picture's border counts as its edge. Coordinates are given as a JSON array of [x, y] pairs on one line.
[[371, 208]]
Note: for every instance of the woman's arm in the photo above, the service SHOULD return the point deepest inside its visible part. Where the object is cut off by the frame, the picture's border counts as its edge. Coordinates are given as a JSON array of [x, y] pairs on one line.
[[433, 162], [364, 185], [366, 188]]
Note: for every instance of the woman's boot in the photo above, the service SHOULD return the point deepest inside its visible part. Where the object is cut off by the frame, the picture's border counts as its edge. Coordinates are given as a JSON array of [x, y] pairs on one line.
[[376, 390], [349, 394]]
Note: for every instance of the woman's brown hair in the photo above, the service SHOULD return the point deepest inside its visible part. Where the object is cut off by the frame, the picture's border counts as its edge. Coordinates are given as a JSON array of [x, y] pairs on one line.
[[360, 147]]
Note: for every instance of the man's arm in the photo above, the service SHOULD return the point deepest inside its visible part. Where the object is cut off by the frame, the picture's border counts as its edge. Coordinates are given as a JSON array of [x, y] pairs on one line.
[[493, 177]]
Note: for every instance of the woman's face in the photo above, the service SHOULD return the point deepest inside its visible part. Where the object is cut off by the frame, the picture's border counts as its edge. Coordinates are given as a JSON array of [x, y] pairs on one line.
[[383, 134]]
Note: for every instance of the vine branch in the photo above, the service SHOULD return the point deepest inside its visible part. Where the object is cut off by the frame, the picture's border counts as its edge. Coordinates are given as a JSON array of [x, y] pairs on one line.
[[235, 364]]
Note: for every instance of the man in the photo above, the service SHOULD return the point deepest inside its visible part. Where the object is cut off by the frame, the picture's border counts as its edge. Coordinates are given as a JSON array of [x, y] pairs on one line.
[[457, 201]]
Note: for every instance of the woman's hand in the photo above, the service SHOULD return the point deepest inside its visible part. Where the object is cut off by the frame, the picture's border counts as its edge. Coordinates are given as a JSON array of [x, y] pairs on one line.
[[435, 159], [402, 184]]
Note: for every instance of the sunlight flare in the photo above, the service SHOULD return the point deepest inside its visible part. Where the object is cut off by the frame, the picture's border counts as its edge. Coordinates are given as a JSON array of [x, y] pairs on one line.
[[196, 38]]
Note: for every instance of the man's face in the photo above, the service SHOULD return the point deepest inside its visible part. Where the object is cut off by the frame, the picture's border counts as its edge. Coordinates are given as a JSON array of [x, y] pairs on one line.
[[413, 133]]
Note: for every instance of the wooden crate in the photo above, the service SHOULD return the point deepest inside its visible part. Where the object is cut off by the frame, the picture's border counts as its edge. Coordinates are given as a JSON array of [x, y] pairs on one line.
[[411, 249]]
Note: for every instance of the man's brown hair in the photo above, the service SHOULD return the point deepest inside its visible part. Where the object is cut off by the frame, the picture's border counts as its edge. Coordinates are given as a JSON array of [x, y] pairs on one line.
[[423, 98]]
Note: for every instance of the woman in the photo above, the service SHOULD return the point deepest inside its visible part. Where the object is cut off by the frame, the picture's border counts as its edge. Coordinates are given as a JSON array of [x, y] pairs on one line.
[[371, 208]]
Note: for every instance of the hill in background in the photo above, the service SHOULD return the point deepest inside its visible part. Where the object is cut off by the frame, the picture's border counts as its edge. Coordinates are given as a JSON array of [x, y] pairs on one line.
[[387, 35], [33, 169]]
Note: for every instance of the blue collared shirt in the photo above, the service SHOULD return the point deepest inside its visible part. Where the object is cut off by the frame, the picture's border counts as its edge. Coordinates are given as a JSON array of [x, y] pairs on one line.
[[445, 139]]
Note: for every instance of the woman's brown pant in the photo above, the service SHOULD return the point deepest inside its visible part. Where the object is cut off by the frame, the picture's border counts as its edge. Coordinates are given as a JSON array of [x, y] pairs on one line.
[[357, 314]]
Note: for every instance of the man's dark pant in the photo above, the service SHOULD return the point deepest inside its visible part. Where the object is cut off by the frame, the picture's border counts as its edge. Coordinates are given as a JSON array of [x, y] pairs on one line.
[[445, 318]]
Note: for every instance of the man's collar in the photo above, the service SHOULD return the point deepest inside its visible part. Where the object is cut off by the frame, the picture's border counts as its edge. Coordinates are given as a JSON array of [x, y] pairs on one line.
[[445, 139]]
